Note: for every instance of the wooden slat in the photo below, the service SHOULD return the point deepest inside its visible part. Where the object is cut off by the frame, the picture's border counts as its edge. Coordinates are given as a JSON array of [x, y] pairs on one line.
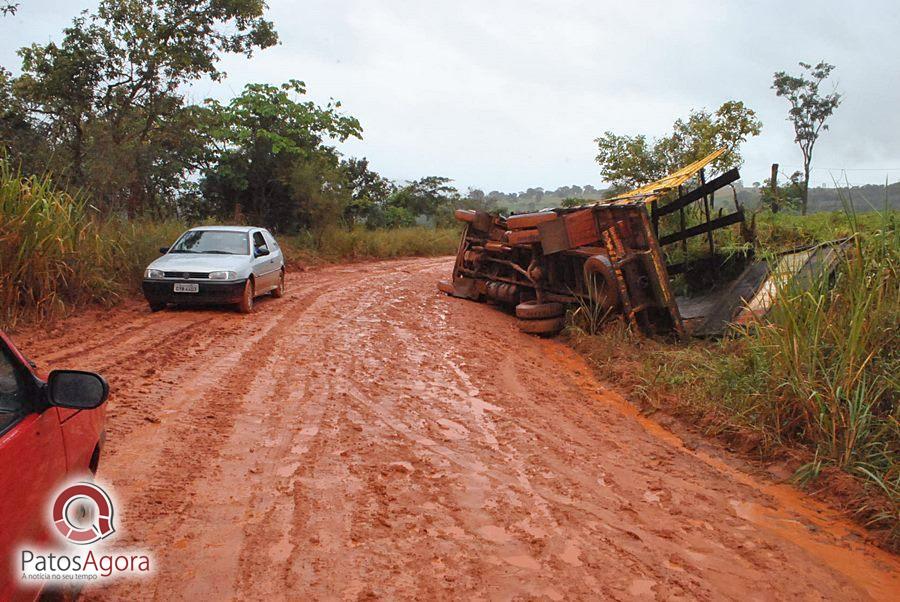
[[554, 237], [529, 220], [523, 237], [715, 224], [581, 228], [698, 193]]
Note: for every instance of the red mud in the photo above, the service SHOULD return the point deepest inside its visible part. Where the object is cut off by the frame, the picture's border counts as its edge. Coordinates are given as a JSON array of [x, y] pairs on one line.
[[367, 436]]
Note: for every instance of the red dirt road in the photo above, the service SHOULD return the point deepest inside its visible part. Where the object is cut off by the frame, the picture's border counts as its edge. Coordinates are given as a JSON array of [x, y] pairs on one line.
[[367, 437]]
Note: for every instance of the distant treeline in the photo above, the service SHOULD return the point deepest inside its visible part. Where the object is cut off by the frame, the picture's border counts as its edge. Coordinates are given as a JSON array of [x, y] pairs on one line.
[[865, 197]]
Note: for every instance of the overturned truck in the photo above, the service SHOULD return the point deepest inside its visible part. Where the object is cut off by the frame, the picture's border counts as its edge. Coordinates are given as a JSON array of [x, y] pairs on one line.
[[622, 256]]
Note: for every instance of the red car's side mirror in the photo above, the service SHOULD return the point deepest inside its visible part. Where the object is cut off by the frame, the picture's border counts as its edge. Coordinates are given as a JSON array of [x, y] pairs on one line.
[[76, 390]]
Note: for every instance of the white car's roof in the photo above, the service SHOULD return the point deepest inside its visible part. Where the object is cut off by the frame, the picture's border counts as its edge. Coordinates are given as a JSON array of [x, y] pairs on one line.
[[227, 228]]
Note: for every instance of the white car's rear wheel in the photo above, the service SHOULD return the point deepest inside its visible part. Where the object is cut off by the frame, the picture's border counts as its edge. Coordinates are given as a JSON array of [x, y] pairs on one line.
[[278, 291]]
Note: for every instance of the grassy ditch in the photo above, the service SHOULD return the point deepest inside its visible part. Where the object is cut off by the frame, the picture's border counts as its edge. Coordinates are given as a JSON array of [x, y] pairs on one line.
[[57, 253], [334, 244], [821, 374]]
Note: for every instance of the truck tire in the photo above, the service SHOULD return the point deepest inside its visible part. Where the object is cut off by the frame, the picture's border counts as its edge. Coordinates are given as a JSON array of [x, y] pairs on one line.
[[246, 304], [546, 326], [445, 287], [464, 215], [531, 310]]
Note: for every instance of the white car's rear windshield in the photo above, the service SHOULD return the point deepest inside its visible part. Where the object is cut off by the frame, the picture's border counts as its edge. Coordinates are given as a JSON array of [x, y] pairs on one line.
[[212, 241]]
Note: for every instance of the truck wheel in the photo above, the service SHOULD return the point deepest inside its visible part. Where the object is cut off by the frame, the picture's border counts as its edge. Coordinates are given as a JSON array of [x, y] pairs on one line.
[[445, 287], [278, 291], [154, 307], [532, 310], [246, 304], [464, 215], [545, 326]]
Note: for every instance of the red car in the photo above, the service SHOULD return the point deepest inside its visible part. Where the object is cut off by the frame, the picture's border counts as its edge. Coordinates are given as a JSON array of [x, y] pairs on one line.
[[51, 431]]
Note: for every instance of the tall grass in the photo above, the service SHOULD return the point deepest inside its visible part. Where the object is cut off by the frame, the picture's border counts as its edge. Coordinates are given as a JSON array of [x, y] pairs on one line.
[[55, 253], [335, 244], [832, 352]]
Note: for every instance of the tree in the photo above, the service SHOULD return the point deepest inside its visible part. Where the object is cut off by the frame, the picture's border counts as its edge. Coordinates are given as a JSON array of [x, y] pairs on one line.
[[782, 196], [809, 111], [109, 93], [629, 161], [318, 190], [20, 136], [262, 149], [368, 191], [59, 88], [431, 197]]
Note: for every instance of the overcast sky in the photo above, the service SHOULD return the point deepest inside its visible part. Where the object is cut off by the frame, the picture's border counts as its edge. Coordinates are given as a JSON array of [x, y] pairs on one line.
[[506, 95]]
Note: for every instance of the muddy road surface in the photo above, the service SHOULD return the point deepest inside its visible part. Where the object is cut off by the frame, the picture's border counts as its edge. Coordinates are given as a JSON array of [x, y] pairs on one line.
[[369, 437]]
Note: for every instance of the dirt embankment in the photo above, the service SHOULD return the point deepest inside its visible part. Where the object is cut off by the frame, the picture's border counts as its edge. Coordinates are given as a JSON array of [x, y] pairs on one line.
[[367, 436]]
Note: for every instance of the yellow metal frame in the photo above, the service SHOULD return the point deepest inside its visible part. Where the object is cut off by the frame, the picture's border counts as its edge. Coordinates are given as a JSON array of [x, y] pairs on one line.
[[654, 190]]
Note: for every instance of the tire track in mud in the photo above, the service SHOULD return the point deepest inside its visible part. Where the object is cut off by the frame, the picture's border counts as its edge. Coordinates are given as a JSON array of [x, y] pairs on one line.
[[327, 450], [459, 435], [369, 437]]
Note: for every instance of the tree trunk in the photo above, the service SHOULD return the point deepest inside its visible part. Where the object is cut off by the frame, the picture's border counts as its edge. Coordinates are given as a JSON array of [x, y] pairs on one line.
[[805, 198], [78, 154], [773, 187]]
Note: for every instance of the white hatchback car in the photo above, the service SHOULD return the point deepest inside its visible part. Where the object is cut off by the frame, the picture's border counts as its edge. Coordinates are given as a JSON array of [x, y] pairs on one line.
[[216, 264]]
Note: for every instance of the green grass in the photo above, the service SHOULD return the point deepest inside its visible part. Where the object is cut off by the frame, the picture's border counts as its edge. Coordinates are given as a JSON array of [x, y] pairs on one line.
[[821, 372], [336, 244], [782, 230]]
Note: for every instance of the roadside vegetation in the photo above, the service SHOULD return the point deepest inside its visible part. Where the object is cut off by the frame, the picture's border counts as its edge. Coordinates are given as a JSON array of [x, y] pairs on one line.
[[337, 244], [55, 255], [818, 379], [57, 252]]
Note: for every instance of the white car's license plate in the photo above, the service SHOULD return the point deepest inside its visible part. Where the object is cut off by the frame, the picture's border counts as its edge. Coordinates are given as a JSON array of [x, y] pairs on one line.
[[187, 287]]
